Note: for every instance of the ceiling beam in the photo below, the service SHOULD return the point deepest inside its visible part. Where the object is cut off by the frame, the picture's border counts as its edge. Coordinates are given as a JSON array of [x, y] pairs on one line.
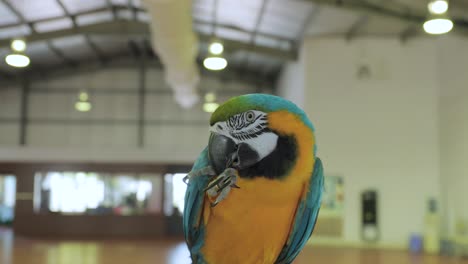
[[97, 51], [114, 8], [30, 26], [313, 14], [134, 28], [148, 49], [222, 25], [198, 22], [111, 8], [253, 35], [60, 54], [116, 28], [55, 18], [134, 49], [370, 8], [463, 4], [6, 75], [397, 11], [109, 90], [65, 10], [356, 27], [394, 9], [214, 17], [408, 33], [88, 40], [259, 20], [14, 11], [133, 9]]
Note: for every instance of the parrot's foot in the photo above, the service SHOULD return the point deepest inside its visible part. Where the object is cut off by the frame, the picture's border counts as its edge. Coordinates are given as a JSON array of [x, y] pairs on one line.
[[221, 185], [208, 170]]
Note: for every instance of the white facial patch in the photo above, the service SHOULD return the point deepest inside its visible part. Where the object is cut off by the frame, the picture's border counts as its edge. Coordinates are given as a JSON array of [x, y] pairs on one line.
[[251, 128], [263, 144]]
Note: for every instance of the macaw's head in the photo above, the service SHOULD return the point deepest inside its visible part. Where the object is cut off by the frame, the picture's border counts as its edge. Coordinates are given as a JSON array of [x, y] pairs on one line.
[[260, 135]]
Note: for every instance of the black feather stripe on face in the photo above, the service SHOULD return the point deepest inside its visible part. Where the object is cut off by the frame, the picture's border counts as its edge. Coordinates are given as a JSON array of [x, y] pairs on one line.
[[240, 121], [263, 117], [251, 133], [277, 164]]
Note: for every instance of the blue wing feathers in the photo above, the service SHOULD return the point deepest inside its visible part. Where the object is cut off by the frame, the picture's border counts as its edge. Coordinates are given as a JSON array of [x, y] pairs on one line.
[[194, 199], [306, 217]]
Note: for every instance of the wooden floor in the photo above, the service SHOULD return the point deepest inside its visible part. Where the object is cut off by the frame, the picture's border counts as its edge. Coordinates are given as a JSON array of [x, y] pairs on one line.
[[31, 251]]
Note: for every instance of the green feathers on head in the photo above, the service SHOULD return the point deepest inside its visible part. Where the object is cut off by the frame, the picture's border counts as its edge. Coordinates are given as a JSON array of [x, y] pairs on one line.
[[261, 102], [233, 106]]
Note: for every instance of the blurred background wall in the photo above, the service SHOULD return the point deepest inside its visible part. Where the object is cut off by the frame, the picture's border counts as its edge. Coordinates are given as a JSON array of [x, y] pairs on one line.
[[452, 57], [390, 117], [111, 130]]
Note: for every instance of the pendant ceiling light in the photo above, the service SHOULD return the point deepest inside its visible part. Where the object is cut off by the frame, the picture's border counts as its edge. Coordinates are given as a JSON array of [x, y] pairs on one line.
[[215, 61], [18, 58], [210, 104], [83, 104], [438, 22]]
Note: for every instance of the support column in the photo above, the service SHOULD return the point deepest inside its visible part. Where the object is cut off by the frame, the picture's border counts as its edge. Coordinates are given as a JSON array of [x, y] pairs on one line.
[[141, 99], [24, 111], [24, 207]]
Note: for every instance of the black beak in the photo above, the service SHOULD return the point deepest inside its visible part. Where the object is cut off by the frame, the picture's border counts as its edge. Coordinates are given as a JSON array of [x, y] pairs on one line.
[[220, 150], [224, 153]]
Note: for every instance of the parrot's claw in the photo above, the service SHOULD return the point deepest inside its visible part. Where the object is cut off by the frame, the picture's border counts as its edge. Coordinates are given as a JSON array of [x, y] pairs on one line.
[[228, 177], [221, 185], [186, 179], [208, 170]]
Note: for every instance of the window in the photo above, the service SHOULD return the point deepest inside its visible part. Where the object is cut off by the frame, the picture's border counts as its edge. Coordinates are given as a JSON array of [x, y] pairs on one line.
[[331, 218], [333, 197], [175, 193], [7, 198], [97, 193]]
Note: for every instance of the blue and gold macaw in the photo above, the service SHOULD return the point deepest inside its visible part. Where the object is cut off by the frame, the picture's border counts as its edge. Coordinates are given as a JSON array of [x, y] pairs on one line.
[[254, 193]]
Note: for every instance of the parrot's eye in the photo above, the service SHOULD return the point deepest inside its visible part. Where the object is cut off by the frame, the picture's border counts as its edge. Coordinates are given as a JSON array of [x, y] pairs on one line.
[[250, 116]]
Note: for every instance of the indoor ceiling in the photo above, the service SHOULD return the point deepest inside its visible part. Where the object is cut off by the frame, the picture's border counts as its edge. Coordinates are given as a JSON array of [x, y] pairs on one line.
[[259, 35]]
